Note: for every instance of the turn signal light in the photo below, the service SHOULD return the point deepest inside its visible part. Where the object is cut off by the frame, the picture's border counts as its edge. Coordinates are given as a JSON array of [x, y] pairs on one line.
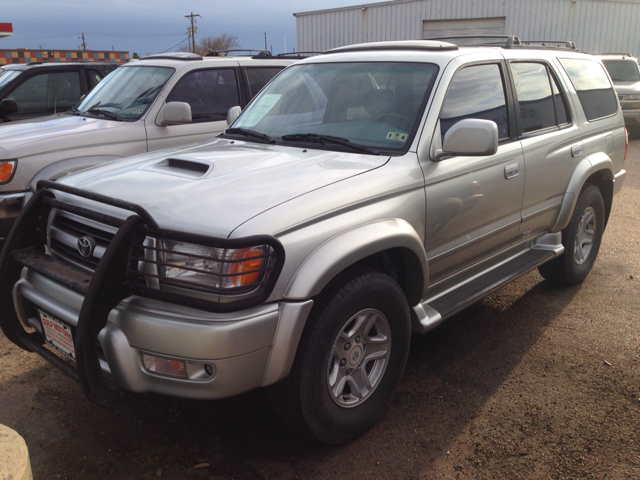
[[252, 262], [164, 366], [6, 170]]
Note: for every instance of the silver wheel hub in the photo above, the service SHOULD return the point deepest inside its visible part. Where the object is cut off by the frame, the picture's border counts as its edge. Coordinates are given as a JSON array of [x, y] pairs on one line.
[[584, 236], [358, 358]]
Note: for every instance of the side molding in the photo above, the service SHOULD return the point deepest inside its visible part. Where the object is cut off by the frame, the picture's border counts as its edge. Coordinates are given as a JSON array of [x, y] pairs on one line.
[[588, 166], [346, 248]]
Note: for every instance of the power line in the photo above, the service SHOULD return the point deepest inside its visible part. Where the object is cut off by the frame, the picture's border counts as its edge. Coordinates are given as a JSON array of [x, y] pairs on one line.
[[175, 45]]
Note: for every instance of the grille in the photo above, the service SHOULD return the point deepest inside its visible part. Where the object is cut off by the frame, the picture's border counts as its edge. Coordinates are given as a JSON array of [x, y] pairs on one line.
[[65, 232]]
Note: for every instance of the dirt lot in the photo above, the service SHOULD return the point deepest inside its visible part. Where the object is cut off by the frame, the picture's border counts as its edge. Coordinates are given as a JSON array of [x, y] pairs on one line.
[[534, 382]]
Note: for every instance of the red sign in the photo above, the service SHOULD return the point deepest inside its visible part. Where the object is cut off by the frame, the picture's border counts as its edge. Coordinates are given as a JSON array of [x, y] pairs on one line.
[[6, 29]]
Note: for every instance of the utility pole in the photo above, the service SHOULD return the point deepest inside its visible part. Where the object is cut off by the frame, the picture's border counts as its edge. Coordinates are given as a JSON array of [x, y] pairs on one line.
[[84, 44], [265, 40], [192, 31]]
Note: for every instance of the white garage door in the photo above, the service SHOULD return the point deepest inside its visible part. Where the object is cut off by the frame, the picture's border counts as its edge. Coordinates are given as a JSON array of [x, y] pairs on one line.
[[467, 26]]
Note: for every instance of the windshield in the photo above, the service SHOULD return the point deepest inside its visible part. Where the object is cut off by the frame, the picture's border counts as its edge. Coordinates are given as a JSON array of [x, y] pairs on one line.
[[373, 104], [7, 75], [622, 70], [126, 92]]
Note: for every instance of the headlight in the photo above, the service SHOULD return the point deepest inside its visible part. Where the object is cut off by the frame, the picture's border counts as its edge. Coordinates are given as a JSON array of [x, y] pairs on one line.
[[631, 97], [217, 270]]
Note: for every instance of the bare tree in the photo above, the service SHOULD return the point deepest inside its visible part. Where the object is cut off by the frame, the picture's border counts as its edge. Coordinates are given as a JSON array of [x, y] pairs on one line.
[[224, 41]]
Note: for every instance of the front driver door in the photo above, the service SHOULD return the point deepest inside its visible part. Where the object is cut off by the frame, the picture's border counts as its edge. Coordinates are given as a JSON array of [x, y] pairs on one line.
[[473, 203]]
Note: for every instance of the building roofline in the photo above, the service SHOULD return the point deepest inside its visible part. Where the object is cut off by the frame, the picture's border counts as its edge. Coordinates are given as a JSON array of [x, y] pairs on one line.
[[352, 7]]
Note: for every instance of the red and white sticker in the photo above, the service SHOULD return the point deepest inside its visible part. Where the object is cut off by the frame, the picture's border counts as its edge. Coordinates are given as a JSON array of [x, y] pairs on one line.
[[58, 335]]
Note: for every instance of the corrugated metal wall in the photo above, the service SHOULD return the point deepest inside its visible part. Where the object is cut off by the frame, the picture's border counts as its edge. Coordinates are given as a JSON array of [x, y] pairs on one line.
[[594, 25]]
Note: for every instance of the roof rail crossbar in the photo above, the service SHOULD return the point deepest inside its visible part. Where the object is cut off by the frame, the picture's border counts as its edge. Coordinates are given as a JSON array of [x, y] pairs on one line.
[[422, 44], [185, 56], [298, 54], [551, 44], [249, 51], [506, 41], [613, 54]]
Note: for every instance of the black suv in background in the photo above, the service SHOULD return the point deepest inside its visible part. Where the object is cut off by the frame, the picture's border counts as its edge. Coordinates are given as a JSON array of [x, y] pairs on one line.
[[45, 88]]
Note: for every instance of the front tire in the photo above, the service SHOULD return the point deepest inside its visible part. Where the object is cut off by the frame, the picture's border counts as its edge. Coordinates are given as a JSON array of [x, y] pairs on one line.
[[350, 359], [581, 240]]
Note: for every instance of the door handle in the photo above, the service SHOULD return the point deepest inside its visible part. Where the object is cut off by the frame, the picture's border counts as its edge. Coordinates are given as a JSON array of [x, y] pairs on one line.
[[511, 171]]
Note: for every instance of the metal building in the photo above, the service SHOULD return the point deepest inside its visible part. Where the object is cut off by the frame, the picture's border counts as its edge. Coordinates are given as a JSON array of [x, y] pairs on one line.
[[595, 26]]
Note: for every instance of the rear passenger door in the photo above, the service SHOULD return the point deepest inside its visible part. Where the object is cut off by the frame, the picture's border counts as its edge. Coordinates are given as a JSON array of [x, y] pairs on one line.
[[473, 203], [550, 140], [210, 93]]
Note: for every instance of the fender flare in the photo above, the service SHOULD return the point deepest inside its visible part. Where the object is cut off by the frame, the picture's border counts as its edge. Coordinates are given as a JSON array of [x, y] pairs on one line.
[[598, 162], [67, 166], [348, 247]]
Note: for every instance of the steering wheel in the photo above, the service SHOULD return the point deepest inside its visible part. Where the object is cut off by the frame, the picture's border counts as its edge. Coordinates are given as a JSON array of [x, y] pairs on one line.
[[397, 116]]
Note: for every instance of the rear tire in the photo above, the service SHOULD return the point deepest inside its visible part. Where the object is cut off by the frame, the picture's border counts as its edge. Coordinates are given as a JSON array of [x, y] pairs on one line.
[[350, 359], [581, 240]]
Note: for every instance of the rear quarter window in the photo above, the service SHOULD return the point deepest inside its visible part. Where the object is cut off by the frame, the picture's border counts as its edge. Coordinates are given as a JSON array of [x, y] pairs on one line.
[[594, 89]]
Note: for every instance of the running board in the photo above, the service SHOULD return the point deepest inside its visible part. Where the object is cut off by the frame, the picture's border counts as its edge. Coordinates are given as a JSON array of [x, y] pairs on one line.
[[432, 312]]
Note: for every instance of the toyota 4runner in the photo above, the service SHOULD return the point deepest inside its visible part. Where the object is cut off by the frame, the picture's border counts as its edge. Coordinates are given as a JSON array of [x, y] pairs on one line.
[[366, 193]]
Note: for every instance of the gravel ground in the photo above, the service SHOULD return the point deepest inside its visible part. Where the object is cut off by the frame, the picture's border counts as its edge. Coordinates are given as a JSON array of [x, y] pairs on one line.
[[533, 382]]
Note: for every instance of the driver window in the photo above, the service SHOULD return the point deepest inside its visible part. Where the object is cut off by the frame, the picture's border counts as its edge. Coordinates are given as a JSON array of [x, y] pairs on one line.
[[476, 92], [210, 93], [47, 93]]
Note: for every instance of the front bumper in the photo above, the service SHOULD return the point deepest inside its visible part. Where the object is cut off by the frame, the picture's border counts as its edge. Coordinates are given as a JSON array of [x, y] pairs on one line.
[[114, 317], [247, 349], [631, 113]]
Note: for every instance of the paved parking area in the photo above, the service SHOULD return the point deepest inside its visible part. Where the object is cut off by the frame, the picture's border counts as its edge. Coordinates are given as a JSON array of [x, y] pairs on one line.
[[533, 382]]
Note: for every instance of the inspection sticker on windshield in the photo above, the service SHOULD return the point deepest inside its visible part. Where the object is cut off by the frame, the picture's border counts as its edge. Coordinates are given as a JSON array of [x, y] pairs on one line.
[[58, 335], [397, 135]]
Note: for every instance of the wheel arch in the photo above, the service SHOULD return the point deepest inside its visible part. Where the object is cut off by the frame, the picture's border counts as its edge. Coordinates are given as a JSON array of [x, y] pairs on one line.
[[598, 170], [391, 246]]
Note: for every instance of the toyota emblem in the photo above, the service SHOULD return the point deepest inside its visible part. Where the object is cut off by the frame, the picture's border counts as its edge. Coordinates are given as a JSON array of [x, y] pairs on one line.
[[86, 246]]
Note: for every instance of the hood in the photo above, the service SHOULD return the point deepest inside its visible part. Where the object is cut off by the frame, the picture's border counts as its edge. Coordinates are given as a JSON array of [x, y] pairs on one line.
[[25, 138], [626, 88], [211, 189]]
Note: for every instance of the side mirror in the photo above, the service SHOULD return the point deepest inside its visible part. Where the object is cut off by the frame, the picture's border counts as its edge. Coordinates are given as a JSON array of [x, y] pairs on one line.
[[8, 106], [232, 114], [175, 113], [470, 137]]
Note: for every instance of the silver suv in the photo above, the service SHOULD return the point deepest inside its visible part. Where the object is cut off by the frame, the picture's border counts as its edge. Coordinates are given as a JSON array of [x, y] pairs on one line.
[[364, 194], [624, 71]]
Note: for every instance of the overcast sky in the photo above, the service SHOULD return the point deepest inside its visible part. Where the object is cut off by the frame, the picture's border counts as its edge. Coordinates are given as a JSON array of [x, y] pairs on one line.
[[146, 26]]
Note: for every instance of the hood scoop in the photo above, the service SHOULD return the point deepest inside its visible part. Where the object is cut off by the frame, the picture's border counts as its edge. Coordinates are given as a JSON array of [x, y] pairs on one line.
[[182, 168]]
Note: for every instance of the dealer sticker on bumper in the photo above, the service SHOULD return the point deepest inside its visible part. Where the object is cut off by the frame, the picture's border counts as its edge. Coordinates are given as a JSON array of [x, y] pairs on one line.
[[58, 335]]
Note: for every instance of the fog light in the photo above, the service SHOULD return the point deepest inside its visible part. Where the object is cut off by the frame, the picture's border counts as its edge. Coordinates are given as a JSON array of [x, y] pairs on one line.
[[164, 366]]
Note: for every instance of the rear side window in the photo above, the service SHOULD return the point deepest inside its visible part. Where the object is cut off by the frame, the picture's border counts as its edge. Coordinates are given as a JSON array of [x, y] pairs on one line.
[[209, 92], [593, 87], [259, 77], [539, 100], [476, 92]]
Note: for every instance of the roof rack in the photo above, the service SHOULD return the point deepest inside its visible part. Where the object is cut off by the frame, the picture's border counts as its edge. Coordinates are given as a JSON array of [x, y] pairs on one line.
[[551, 44], [609, 54], [395, 45], [225, 53], [298, 54], [506, 41], [186, 56]]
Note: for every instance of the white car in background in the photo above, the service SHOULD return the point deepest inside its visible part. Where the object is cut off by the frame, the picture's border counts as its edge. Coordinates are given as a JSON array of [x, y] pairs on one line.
[[623, 70], [162, 101]]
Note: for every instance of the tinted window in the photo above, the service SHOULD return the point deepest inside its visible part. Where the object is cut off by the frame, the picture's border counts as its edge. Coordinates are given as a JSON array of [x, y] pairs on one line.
[[7, 75], [211, 93], [476, 92], [561, 108], [622, 70], [47, 93], [593, 87], [259, 77], [535, 98], [94, 78]]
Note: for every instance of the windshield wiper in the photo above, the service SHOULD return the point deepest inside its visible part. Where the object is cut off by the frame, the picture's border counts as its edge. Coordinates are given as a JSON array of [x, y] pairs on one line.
[[105, 113], [322, 139], [249, 133], [73, 111]]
